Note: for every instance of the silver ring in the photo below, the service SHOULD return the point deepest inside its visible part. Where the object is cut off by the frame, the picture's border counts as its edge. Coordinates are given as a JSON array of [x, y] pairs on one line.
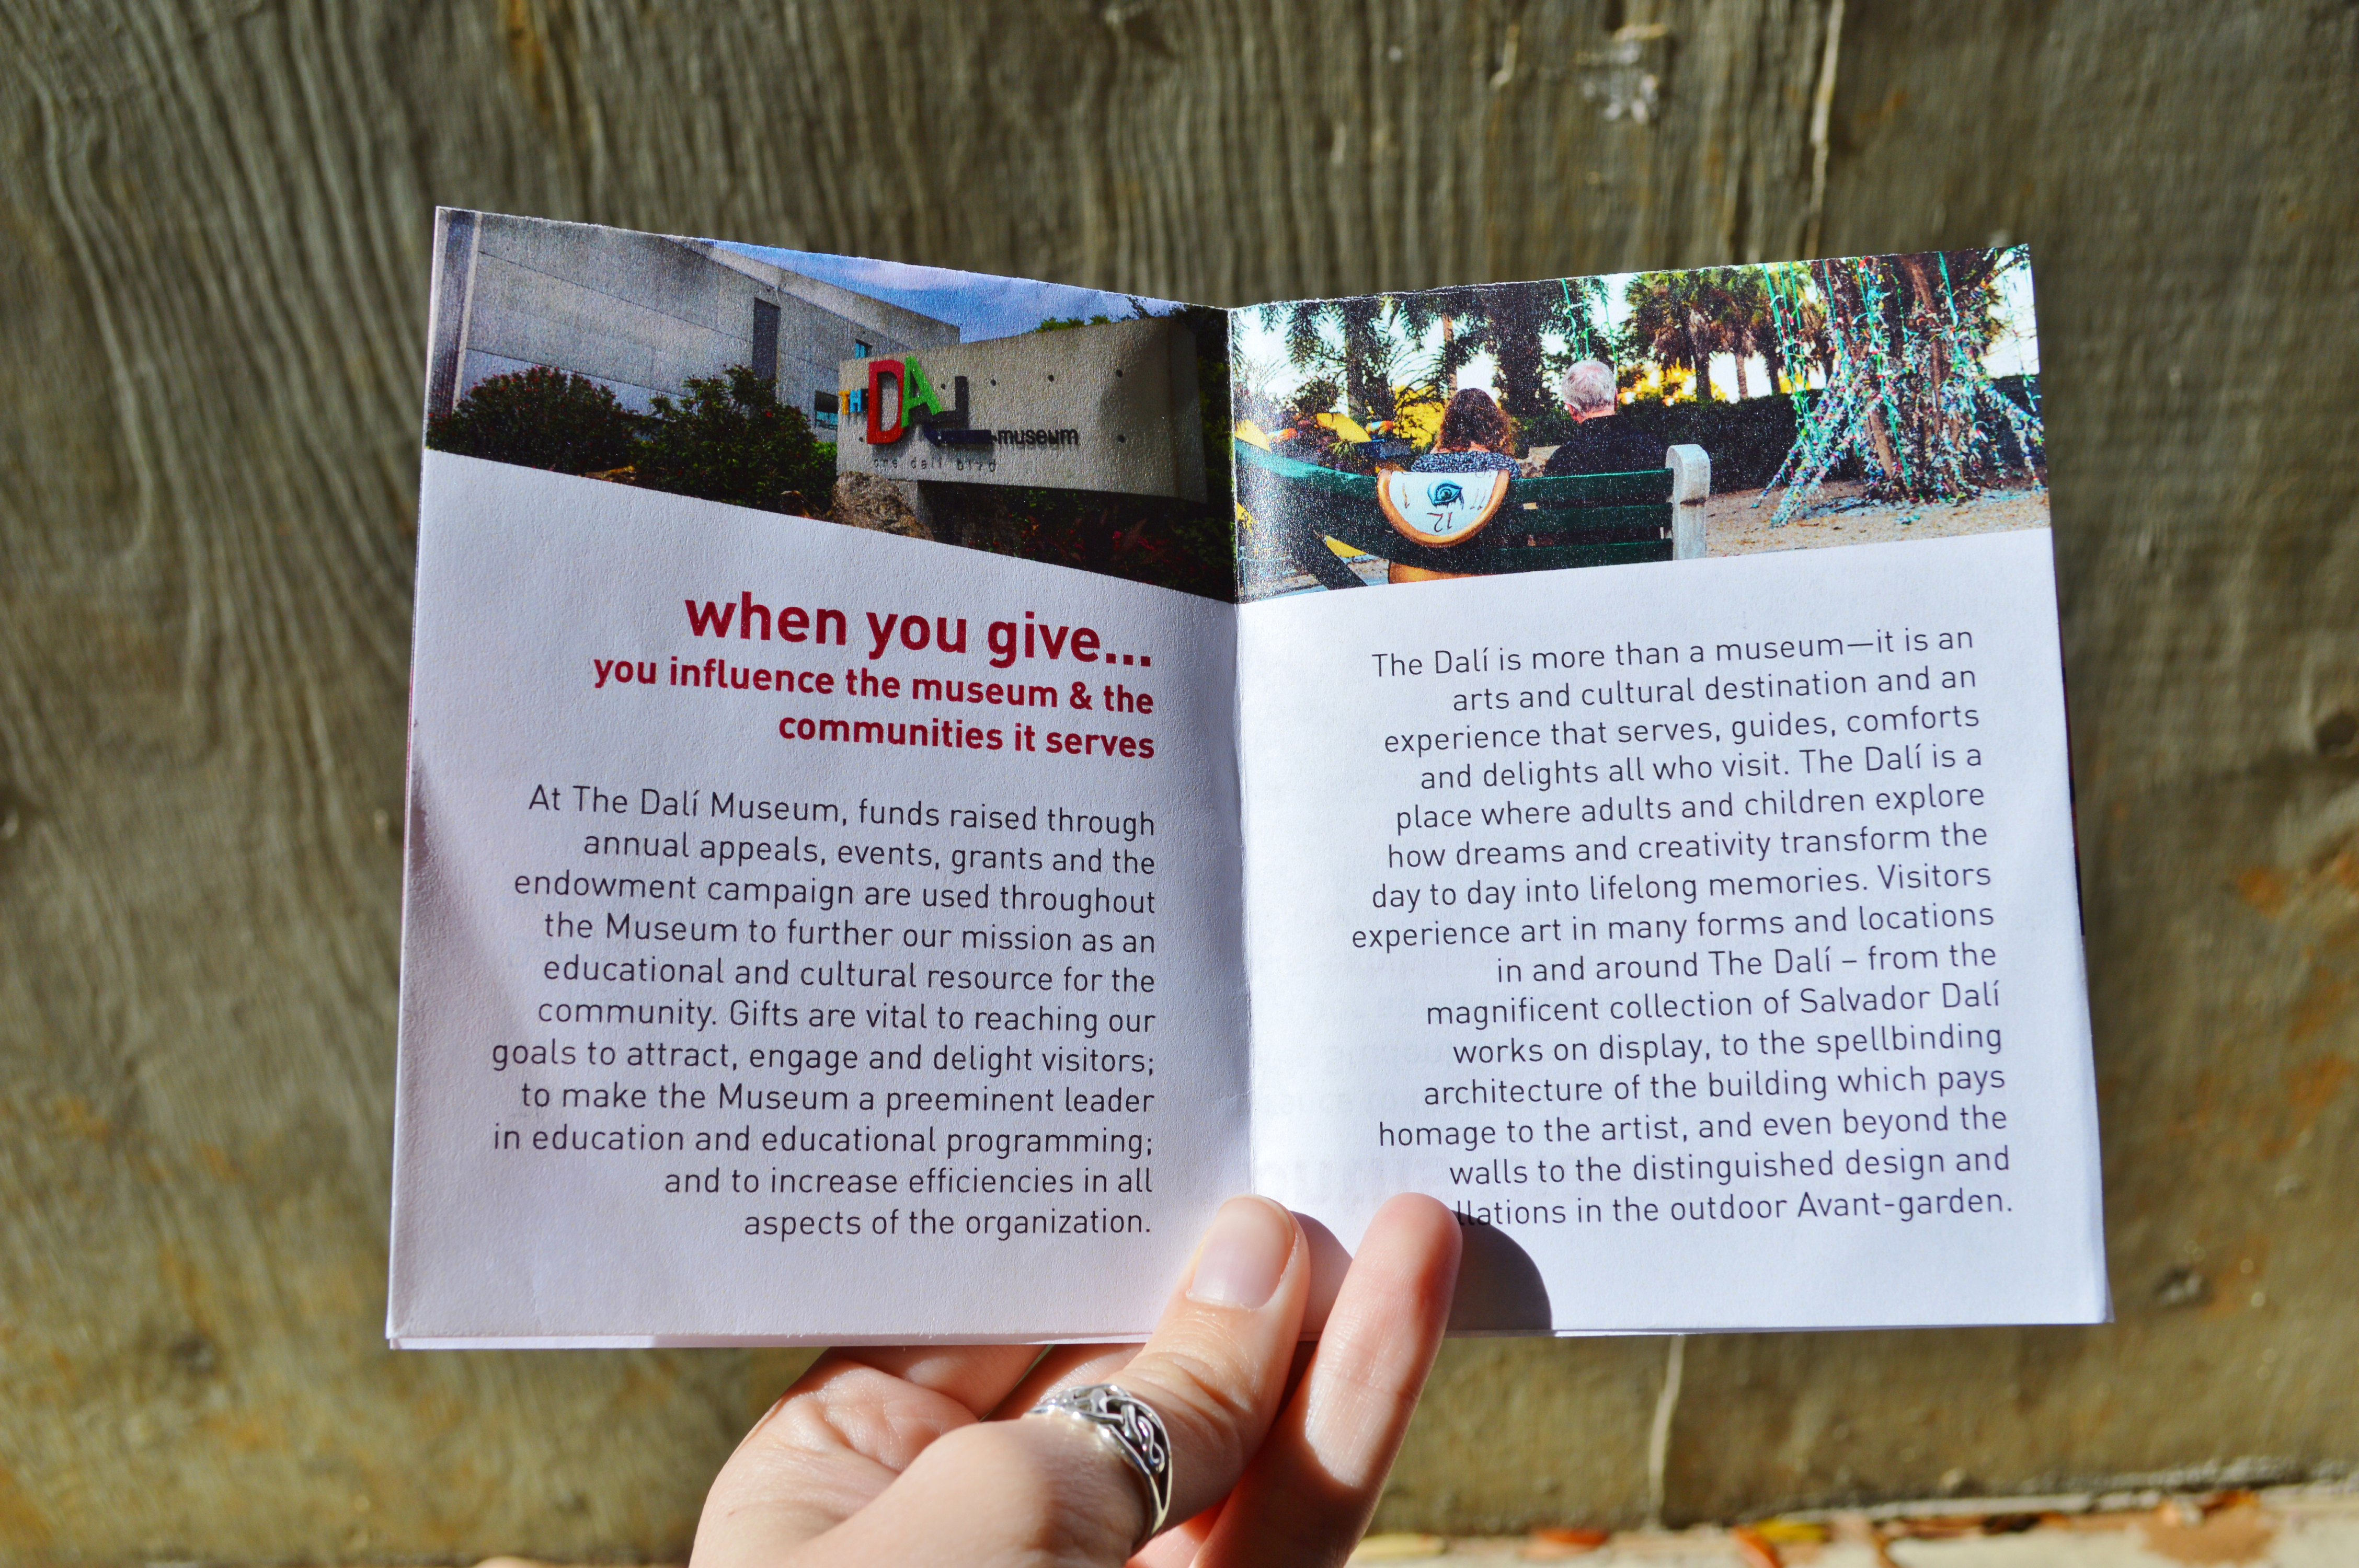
[[1131, 1424]]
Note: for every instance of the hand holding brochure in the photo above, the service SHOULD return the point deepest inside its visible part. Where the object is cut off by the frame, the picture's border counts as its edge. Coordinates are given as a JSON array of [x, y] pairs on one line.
[[911, 803]]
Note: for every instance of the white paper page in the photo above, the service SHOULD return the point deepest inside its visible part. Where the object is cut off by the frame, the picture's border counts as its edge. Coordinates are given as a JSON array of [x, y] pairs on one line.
[[856, 1199], [1680, 1059]]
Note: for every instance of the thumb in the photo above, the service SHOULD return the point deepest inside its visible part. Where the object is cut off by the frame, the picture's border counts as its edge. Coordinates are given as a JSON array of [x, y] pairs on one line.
[[1048, 1486]]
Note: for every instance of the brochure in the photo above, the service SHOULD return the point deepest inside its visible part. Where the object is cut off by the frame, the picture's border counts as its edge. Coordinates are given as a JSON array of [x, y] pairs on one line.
[[921, 785]]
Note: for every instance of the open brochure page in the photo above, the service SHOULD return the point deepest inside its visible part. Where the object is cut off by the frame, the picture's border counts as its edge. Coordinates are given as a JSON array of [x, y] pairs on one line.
[[818, 926], [1688, 903]]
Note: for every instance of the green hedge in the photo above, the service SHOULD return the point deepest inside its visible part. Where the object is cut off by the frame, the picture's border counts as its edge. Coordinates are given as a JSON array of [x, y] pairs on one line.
[[728, 439]]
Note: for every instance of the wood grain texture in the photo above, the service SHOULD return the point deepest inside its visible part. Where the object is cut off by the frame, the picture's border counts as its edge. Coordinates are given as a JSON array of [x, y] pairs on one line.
[[214, 287]]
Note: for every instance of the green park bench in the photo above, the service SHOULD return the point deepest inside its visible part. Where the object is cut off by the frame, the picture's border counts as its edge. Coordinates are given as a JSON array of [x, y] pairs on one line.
[[1544, 525]]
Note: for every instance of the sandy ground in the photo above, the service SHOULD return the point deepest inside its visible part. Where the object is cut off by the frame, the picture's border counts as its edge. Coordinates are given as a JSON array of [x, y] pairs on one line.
[[1735, 525], [2314, 1526], [2293, 1526]]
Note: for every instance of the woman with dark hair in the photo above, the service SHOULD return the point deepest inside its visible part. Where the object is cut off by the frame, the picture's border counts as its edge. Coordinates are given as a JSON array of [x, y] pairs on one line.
[[1476, 435]]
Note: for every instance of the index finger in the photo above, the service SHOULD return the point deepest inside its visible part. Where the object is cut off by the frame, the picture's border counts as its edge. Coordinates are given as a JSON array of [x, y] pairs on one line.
[[1314, 1484]]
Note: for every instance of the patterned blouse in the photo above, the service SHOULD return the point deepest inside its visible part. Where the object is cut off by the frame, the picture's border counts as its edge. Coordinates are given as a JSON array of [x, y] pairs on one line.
[[1462, 462]]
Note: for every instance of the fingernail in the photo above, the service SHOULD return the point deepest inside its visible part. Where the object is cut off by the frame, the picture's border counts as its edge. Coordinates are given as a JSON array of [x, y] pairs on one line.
[[1244, 1254]]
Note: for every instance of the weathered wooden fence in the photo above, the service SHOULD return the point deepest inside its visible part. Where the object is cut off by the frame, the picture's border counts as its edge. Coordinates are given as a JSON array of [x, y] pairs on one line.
[[217, 216]]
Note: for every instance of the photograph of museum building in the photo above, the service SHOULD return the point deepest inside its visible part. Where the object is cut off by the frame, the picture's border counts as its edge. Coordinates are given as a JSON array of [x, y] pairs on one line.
[[1051, 421], [639, 314]]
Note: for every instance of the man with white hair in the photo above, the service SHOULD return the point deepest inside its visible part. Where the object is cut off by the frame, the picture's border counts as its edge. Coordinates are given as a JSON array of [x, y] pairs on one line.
[[1601, 441]]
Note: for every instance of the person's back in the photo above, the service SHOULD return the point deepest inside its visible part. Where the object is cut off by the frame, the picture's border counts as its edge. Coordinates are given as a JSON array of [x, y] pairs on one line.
[[1614, 444], [1601, 441]]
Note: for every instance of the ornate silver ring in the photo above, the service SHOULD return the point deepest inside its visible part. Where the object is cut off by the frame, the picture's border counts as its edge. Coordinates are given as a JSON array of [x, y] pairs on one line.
[[1131, 1424]]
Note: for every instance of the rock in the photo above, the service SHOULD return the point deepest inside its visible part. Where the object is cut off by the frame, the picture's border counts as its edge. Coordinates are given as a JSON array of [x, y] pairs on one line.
[[882, 505]]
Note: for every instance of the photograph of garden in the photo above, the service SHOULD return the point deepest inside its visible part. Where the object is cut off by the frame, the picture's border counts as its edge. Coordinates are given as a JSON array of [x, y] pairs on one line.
[[1635, 417]]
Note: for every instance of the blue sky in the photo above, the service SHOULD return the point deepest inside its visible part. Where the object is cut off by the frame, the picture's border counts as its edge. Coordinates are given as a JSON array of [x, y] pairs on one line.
[[982, 306]]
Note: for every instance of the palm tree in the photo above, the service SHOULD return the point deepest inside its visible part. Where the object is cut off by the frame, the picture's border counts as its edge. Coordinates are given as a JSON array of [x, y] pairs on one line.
[[1516, 316], [1306, 346], [1797, 323], [1374, 344], [1581, 312], [1368, 389], [1906, 388], [1464, 323], [1345, 339], [1741, 310], [1520, 317], [1250, 378], [1670, 323]]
